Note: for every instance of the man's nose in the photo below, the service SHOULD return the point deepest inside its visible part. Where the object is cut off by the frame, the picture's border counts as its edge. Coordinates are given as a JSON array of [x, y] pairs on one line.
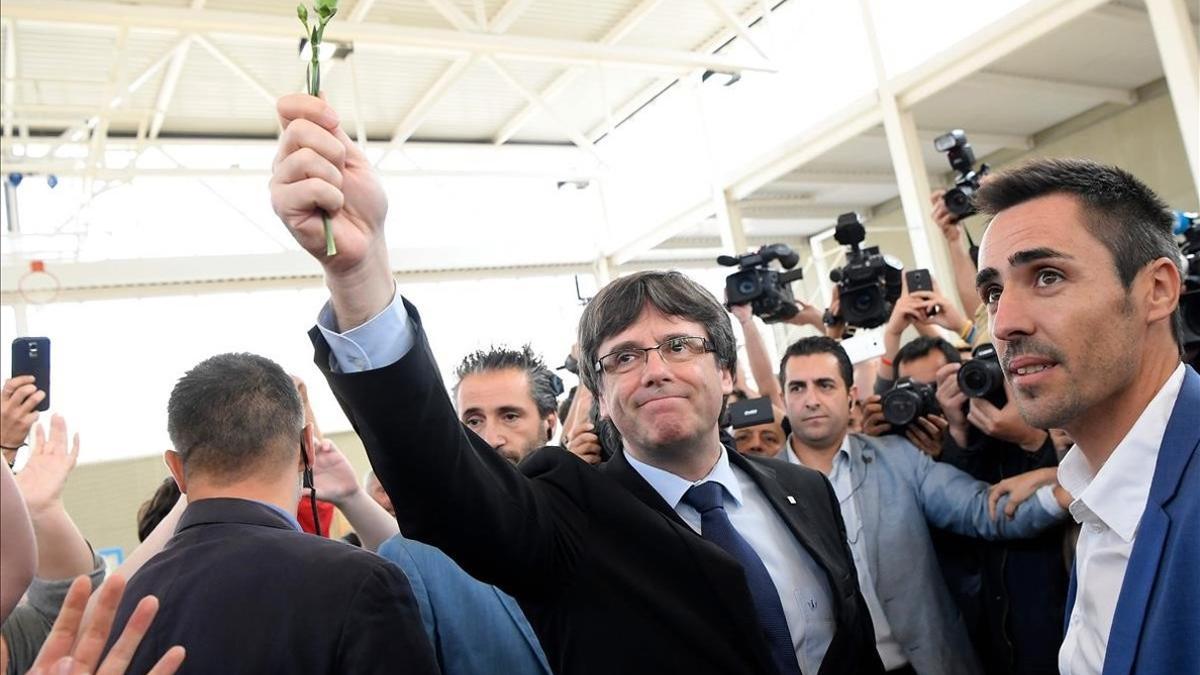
[[1013, 316], [655, 369]]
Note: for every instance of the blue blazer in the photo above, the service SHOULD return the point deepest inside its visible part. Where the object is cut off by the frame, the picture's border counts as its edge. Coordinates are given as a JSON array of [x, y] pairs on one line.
[[475, 629], [1156, 627]]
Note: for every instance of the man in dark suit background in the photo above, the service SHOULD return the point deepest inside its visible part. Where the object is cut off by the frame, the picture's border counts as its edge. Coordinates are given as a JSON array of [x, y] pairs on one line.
[[240, 586], [678, 555]]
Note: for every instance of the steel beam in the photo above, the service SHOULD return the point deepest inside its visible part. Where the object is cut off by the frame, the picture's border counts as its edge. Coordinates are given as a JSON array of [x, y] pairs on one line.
[[1177, 48], [401, 38], [1043, 87]]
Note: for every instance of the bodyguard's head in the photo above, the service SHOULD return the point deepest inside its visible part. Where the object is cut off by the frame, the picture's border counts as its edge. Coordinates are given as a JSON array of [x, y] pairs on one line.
[[235, 418], [658, 351]]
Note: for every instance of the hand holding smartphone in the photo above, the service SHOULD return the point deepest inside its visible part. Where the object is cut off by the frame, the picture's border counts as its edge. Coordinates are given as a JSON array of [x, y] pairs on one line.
[[31, 356], [921, 280]]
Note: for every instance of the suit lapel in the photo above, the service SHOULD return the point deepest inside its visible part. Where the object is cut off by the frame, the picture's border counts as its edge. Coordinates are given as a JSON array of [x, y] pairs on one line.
[[865, 494], [1179, 443], [725, 578], [792, 511]]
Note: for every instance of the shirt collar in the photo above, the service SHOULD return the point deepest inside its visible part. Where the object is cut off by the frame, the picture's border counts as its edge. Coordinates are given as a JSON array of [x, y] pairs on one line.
[[291, 517], [842, 456], [1116, 495], [671, 487]]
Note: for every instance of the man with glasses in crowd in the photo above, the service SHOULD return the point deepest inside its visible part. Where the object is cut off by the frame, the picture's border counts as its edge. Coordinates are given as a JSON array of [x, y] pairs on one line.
[[677, 555]]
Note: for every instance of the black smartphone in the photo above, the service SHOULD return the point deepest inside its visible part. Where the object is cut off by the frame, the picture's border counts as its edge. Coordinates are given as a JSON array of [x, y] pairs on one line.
[[751, 412], [31, 356], [920, 280]]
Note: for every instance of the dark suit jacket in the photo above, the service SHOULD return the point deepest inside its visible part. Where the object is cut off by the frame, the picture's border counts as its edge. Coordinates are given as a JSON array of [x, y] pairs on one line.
[[244, 592], [1157, 620], [610, 577]]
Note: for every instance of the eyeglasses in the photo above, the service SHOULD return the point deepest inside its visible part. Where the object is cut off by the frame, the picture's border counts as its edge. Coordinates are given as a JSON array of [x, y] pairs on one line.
[[675, 350]]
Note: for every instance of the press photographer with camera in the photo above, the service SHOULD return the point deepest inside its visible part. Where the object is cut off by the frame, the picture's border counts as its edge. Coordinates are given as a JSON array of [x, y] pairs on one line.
[[891, 494]]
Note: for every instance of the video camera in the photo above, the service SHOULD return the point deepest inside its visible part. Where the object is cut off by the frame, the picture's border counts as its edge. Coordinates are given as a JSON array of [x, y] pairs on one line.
[[1188, 227], [869, 283], [966, 183], [982, 376], [906, 401], [767, 291]]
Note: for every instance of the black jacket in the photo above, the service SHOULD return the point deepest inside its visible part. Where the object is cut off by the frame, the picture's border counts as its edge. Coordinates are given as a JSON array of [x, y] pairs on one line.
[[612, 580], [244, 592]]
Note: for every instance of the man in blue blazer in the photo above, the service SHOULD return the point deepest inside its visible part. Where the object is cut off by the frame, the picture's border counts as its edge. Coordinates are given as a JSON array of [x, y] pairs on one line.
[[1081, 275]]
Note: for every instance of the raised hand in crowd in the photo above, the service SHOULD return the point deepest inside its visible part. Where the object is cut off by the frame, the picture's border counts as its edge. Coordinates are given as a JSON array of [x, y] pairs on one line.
[[584, 443], [961, 263], [75, 644], [18, 556], [62, 551], [336, 482], [756, 352], [18, 398], [809, 315]]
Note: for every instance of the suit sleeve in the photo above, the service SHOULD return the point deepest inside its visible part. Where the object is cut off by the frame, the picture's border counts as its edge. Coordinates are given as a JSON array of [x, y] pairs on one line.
[[449, 488], [383, 633], [955, 501]]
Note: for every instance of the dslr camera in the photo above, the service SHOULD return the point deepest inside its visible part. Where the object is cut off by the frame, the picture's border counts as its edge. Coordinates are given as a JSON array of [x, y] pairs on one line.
[[906, 401], [869, 283], [767, 291], [982, 377], [966, 181], [1188, 227]]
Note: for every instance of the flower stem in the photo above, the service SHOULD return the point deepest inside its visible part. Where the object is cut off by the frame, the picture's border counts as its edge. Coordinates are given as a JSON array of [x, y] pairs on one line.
[[314, 89]]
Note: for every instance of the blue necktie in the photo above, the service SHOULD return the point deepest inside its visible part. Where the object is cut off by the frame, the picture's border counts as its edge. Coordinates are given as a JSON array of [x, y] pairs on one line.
[[708, 499]]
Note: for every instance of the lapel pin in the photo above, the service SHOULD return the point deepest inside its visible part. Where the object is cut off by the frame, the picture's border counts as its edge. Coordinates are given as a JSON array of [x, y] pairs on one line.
[[791, 499]]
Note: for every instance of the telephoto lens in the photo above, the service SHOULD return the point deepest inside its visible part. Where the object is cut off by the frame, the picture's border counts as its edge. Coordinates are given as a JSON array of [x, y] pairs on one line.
[[906, 401], [983, 377]]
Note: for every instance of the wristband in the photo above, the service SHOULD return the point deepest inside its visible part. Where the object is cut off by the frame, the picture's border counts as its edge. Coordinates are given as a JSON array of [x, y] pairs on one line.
[[885, 361], [967, 331]]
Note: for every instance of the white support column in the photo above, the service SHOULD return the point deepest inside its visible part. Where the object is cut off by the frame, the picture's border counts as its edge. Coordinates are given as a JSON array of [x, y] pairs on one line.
[[21, 314], [909, 165], [737, 229], [166, 90], [1177, 48], [602, 271], [10, 75], [816, 246]]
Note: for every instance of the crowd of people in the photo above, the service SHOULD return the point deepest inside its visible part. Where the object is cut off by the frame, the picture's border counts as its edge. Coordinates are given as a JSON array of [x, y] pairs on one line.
[[629, 526]]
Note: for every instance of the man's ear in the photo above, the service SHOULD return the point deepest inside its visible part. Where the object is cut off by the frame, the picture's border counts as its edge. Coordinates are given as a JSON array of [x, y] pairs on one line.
[[551, 425], [174, 462], [308, 447], [853, 395], [1163, 296]]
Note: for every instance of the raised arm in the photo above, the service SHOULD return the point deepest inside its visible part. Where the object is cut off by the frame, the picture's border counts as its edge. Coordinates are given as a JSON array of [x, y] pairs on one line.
[[448, 487], [63, 553], [756, 352], [18, 555], [336, 482]]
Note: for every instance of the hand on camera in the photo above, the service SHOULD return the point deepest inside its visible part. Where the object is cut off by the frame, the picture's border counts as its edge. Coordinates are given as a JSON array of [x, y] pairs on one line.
[[1005, 423], [743, 313], [943, 218], [809, 315], [927, 433], [953, 402]]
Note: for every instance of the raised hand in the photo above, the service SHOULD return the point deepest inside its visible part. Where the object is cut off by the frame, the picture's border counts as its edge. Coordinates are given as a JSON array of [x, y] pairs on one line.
[[45, 475], [74, 645], [18, 398], [585, 444], [333, 475], [953, 402]]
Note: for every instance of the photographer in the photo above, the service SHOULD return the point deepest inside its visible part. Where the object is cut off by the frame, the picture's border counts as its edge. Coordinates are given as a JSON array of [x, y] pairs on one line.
[[918, 362]]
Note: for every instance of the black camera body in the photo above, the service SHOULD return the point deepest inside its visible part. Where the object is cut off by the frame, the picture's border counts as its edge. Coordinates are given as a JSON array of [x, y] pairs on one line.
[[767, 291], [983, 377], [908, 400], [869, 283], [959, 199], [1189, 299]]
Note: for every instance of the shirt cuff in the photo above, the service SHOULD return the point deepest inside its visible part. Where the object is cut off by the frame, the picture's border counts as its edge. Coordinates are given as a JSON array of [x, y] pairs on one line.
[[1045, 497], [380, 342]]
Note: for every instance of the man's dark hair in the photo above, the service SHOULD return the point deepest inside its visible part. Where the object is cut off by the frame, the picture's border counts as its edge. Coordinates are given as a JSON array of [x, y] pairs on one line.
[[541, 387], [1123, 213], [817, 344], [234, 414], [153, 510], [621, 302], [921, 347]]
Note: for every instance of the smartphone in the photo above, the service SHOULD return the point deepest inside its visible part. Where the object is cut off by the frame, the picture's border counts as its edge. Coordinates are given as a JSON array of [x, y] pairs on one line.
[[919, 280], [31, 356]]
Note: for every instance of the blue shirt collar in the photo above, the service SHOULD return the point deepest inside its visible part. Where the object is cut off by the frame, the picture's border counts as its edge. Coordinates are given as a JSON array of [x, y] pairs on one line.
[[291, 517], [671, 487]]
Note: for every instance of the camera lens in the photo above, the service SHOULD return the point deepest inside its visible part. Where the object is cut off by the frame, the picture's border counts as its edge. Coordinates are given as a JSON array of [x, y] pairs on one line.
[[900, 407], [974, 382], [746, 287]]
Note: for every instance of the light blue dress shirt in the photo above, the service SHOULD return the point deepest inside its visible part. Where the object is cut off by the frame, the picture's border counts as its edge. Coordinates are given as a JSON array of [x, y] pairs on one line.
[[890, 651], [801, 583]]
